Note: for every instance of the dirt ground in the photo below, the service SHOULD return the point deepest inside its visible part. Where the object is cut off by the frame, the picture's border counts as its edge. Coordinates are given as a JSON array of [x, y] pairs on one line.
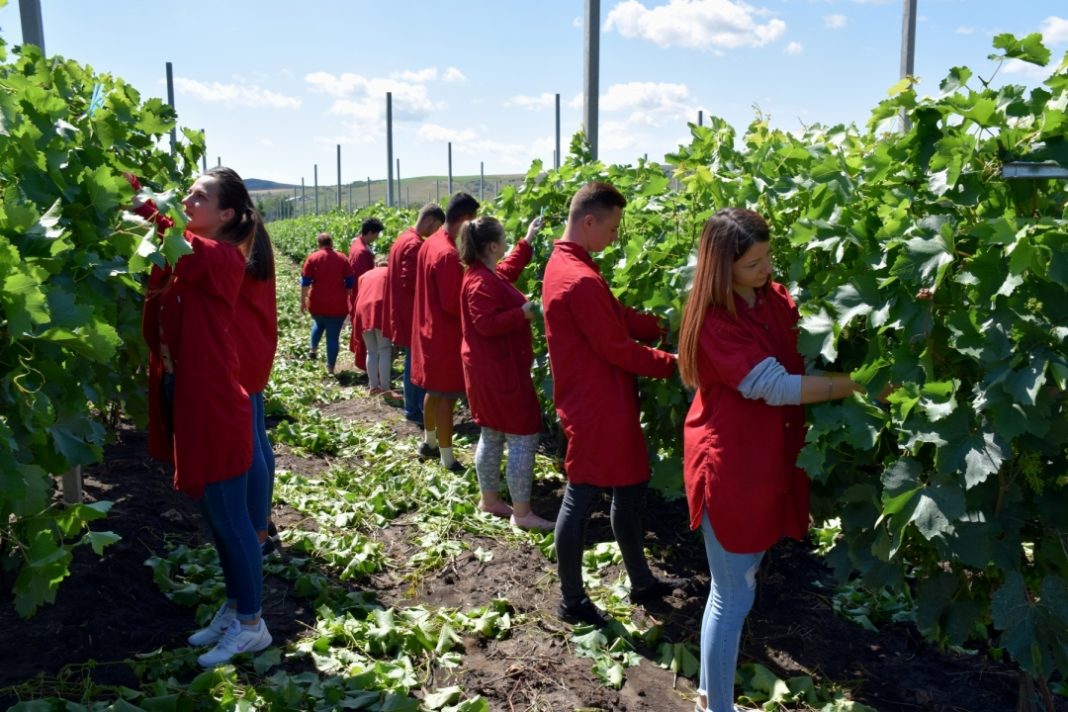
[[110, 609]]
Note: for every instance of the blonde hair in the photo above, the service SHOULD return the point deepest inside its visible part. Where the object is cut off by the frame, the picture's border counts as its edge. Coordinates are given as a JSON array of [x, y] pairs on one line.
[[727, 235], [475, 235]]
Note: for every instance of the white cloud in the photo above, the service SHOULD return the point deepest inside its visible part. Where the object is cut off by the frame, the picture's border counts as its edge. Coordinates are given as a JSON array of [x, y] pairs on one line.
[[616, 136], [366, 98], [235, 94], [452, 74], [418, 76], [1026, 70], [964, 30], [1055, 30], [577, 102], [794, 48], [701, 24], [434, 132], [545, 100], [649, 96], [578, 22], [834, 22]]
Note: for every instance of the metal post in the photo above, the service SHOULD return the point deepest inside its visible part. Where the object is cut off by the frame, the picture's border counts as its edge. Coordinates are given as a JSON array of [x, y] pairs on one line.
[[437, 189], [591, 79], [700, 117], [389, 149], [450, 168], [170, 103], [204, 156], [339, 177], [303, 199], [316, 188], [398, 182], [908, 48], [556, 154], [218, 160], [32, 23]]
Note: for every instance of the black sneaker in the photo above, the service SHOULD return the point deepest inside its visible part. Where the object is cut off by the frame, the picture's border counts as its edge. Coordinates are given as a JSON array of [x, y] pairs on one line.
[[428, 453], [663, 586], [455, 467], [268, 547], [582, 612]]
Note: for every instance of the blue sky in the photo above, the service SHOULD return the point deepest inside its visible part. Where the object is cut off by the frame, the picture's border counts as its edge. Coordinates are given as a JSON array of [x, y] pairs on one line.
[[277, 85]]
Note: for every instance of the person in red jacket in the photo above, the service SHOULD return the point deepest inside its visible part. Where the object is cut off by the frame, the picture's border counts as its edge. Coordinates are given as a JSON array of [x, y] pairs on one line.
[[497, 353], [326, 292], [360, 256], [368, 343], [436, 333], [400, 299], [200, 417], [744, 429], [594, 358]]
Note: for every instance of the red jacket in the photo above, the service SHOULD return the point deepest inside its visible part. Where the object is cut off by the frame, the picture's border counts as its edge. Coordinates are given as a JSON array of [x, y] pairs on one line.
[[327, 271], [739, 455], [400, 294], [497, 350], [367, 311], [362, 260], [594, 359], [436, 331], [255, 332], [191, 309]]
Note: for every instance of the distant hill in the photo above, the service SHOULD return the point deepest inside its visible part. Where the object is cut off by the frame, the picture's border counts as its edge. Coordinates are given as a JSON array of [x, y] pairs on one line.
[[259, 184]]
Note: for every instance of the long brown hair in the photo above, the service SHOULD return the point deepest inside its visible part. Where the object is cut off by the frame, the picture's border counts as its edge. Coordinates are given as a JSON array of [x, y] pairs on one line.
[[725, 238], [246, 229], [476, 235]]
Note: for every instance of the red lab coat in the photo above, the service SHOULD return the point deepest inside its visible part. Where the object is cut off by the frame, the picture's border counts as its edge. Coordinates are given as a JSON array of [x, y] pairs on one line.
[[192, 312], [497, 350], [594, 359], [255, 332], [436, 331], [328, 270], [400, 294], [739, 455], [362, 260], [367, 311]]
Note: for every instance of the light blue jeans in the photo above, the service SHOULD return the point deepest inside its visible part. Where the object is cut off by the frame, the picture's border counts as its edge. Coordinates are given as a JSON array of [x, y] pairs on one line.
[[729, 602]]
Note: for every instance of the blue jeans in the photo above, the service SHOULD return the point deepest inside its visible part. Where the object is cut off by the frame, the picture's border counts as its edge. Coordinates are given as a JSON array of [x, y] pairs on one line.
[[261, 474], [729, 602], [225, 506], [625, 516], [331, 325], [413, 394]]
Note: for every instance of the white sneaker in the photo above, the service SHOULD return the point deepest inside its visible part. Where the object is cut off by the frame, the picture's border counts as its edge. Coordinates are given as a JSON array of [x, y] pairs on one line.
[[236, 640], [219, 623]]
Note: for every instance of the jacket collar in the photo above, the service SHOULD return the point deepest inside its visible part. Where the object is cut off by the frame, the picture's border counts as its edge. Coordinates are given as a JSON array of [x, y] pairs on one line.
[[578, 252]]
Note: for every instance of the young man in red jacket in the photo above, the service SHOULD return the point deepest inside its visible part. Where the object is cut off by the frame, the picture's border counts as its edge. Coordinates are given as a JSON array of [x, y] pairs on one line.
[[436, 330], [400, 299], [594, 358]]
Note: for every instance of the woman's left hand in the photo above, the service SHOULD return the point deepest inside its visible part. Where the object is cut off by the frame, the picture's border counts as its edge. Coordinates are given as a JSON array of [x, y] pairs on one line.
[[532, 230]]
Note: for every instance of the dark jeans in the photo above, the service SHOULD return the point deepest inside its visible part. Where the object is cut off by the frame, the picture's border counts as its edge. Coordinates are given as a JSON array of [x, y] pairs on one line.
[[331, 326], [225, 506], [413, 394], [261, 474], [627, 505]]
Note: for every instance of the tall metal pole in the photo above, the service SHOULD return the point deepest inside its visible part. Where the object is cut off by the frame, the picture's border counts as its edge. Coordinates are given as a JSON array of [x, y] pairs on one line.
[[32, 23], [218, 160], [592, 76], [339, 176], [908, 48], [556, 154], [170, 103], [316, 188], [204, 156], [481, 181], [700, 117], [389, 149], [450, 168]]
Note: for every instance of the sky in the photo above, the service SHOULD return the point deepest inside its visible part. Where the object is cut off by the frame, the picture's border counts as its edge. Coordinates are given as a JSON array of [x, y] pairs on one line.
[[276, 86]]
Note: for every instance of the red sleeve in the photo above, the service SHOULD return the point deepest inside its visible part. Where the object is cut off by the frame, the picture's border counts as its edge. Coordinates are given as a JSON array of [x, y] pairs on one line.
[[512, 266], [308, 268], [487, 316], [449, 276], [408, 258], [642, 326], [592, 309], [729, 350], [197, 266], [149, 211]]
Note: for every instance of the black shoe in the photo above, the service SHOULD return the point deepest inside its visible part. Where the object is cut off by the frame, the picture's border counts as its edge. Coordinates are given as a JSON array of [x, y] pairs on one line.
[[268, 547], [582, 612], [428, 453], [272, 530], [662, 587]]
